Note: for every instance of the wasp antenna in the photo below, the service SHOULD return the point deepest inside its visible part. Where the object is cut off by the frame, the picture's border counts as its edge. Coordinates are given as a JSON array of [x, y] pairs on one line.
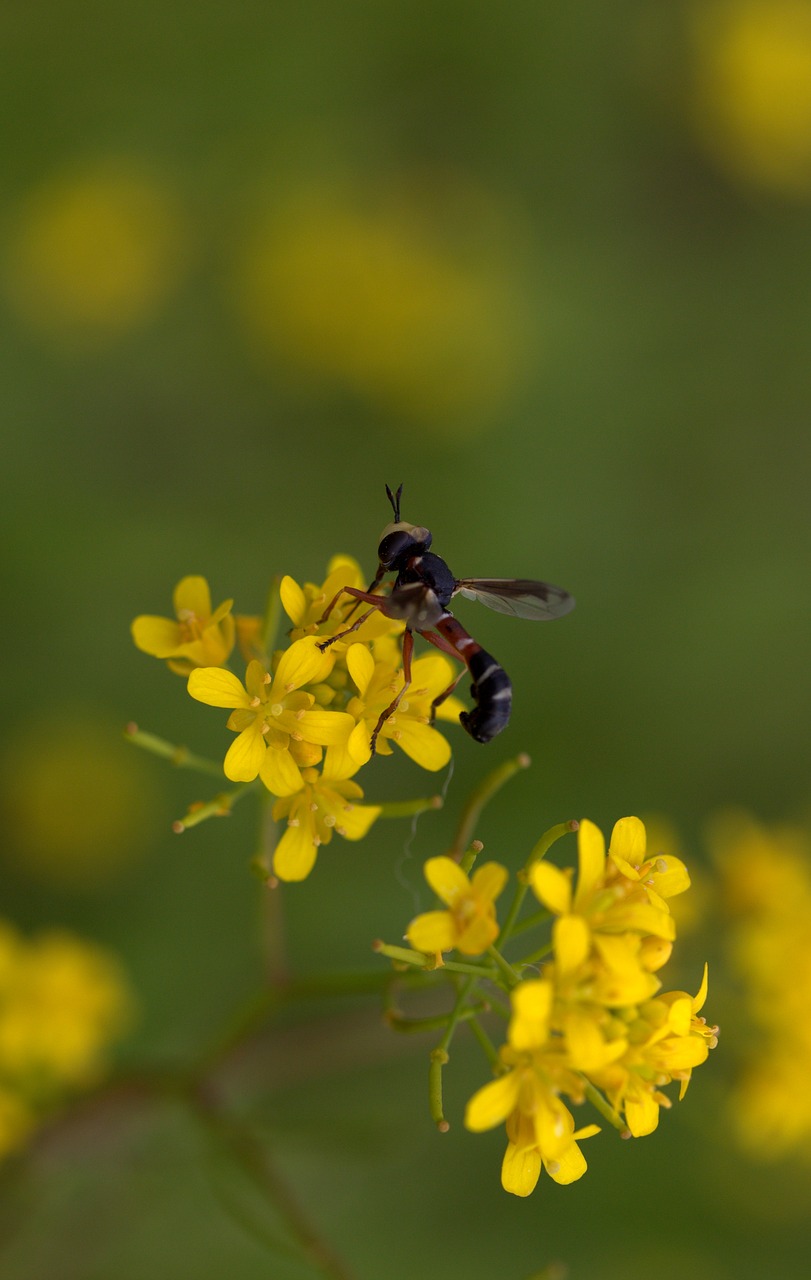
[[394, 499]]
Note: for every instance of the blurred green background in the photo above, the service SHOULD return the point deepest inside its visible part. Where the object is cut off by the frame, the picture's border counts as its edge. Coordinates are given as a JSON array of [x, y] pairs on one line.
[[548, 265]]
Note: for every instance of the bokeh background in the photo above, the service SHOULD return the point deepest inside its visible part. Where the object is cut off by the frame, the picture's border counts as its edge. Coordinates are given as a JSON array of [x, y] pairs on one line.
[[548, 265]]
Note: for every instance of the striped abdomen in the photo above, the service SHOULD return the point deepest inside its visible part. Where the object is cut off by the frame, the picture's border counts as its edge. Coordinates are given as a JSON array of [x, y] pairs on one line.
[[491, 686]]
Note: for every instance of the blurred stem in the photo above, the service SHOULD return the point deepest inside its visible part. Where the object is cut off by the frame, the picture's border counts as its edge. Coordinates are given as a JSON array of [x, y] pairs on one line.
[[253, 1159], [539, 850], [273, 939], [178, 755], [483, 793], [219, 807], [484, 1040], [419, 960]]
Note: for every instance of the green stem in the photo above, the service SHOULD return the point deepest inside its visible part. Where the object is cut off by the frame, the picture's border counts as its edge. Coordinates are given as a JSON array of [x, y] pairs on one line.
[[597, 1099], [504, 965], [530, 922], [418, 960], [546, 841], [179, 756], [484, 1040], [413, 1026], [539, 850], [219, 807], [535, 956], [439, 1056], [408, 808], [483, 793]]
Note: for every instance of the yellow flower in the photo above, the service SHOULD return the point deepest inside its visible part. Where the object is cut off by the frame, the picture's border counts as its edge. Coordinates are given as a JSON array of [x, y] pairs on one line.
[[540, 1127], [666, 1039], [469, 925], [613, 913], [305, 607], [198, 637], [62, 1002], [323, 806], [410, 727], [273, 717], [752, 105]]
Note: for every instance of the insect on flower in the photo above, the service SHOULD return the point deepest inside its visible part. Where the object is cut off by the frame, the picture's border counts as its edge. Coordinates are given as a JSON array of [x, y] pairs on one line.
[[420, 595]]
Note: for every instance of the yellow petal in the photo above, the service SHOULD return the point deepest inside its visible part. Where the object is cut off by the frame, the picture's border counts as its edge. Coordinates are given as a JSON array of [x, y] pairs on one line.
[[477, 935], [701, 994], [302, 663], [280, 773], [670, 876], [425, 745], [520, 1170], [552, 887], [447, 879], [641, 1113], [327, 728], [295, 853], [572, 942], [217, 688], [361, 666], [191, 595], [293, 600], [245, 755], [354, 820], [488, 880], [568, 1165], [432, 931], [493, 1103], [591, 859], [629, 842], [159, 637]]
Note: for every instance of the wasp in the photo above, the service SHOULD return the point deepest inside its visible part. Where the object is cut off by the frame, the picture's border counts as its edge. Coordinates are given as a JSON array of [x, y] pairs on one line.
[[420, 596]]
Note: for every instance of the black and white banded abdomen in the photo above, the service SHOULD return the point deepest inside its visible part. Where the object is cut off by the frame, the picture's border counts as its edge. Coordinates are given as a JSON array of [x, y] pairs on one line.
[[491, 688]]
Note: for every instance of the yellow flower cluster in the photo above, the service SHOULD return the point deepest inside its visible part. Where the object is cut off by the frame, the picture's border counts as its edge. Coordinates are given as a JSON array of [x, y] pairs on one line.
[[305, 715], [595, 1019], [62, 1001], [766, 890]]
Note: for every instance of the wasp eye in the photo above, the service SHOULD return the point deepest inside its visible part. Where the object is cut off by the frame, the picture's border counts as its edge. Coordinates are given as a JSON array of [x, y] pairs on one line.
[[394, 545]]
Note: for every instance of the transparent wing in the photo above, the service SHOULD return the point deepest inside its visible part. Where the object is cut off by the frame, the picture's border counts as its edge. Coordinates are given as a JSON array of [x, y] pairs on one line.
[[521, 597]]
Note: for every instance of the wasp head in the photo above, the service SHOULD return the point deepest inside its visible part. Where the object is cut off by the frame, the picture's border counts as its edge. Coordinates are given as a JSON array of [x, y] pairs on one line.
[[400, 540]]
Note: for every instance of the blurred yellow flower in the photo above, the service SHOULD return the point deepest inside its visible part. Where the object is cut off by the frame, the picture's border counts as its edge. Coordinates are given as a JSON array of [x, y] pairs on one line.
[[766, 892], [78, 804], [752, 94], [62, 1003], [365, 293], [196, 637], [96, 251]]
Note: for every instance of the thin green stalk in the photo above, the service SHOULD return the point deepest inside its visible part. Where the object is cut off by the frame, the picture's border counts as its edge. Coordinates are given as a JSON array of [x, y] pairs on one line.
[[439, 1057], [483, 793], [408, 808], [219, 807], [604, 1107], [490, 1050], [504, 965], [179, 756], [418, 960]]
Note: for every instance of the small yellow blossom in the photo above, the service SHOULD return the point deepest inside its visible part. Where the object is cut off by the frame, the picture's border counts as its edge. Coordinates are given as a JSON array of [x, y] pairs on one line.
[[469, 925], [666, 1039], [540, 1127], [323, 806], [197, 638], [410, 727], [305, 607], [274, 718], [616, 908], [62, 1002]]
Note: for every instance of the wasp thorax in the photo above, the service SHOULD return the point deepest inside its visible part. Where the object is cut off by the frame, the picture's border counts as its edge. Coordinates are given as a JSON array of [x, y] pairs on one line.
[[402, 539]]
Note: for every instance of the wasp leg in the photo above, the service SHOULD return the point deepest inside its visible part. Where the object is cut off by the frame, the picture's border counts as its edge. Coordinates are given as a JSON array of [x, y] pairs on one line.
[[348, 591], [323, 645], [408, 646], [439, 642]]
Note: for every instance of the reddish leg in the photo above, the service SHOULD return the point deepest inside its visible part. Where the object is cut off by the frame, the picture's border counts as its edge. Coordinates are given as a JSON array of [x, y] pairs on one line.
[[408, 646], [439, 642], [359, 595]]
